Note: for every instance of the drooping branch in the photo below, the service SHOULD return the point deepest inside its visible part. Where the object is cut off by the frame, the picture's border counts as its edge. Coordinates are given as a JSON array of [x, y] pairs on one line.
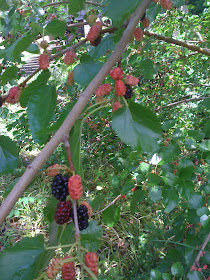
[[181, 101], [70, 120], [177, 42]]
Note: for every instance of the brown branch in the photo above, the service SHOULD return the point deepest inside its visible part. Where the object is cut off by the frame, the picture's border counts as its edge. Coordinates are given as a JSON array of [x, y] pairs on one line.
[[201, 251], [177, 42], [66, 2], [111, 203], [181, 101], [186, 155], [68, 151], [70, 120]]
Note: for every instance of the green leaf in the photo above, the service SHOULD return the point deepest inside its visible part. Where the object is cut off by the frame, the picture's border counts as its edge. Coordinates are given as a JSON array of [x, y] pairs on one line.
[[153, 11], [85, 72], [171, 198], [111, 215], [204, 220], [196, 201], [177, 269], [8, 155], [40, 111], [9, 74], [33, 48], [196, 134], [32, 87], [168, 124], [202, 211], [90, 237], [96, 203], [170, 179], [147, 68], [137, 126], [144, 167], [4, 5], [168, 154], [166, 276], [75, 145], [205, 146], [120, 10], [190, 144], [22, 256], [155, 274], [178, 3], [56, 28], [49, 209], [155, 193], [137, 197], [185, 168], [67, 237], [194, 275], [186, 188], [153, 179], [76, 6], [107, 43]]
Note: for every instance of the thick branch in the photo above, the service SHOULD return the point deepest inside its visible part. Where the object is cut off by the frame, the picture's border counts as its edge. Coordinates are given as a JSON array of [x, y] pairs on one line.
[[70, 120], [177, 42], [181, 101]]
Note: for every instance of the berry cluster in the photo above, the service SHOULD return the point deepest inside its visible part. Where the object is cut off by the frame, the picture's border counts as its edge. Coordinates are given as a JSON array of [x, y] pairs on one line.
[[54, 268], [13, 96], [82, 215], [60, 187], [70, 57], [94, 33], [75, 187], [91, 261], [166, 4], [44, 61], [68, 270], [62, 212]]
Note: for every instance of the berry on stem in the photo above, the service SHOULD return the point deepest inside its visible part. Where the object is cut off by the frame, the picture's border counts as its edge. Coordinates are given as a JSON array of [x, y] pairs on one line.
[[70, 57], [131, 80], [62, 212], [103, 90], [60, 187], [75, 187], [13, 96], [145, 22], [44, 61], [116, 73], [129, 92], [82, 215], [91, 261], [94, 32], [116, 106], [120, 87], [166, 4], [68, 270], [54, 268], [138, 34], [44, 44], [53, 170]]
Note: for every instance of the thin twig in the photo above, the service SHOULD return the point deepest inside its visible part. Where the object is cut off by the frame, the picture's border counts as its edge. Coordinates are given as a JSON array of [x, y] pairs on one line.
[[77, 232], [113, 202], [186, 155], [177, 42], [181, 101], [202, 249], [68, 151]]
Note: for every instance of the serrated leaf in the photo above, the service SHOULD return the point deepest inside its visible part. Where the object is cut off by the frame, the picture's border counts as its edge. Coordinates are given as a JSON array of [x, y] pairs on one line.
[[75, 146], [155, 274], [196, 201], [169, 153], [137, 126], [185, 168], [204, 220], [32, 87], [67, 237], [147, 68], [153, 11], [166, 125], [107, 43], [196, 134], [190, 144], [166, 276], [33, 48], [8, 155], [171, 198], [153, 179], [120, 10], [76, 6], [4, 5], [111, 215], [186, 188], [144, 167], [155, 193], [177, 269], [49, 209], [56, 28], [22, 256], [137, 197], [170, 179], [41, 106], [85, 72], [96, 203], [205, 146], [9, 74], [90, 237]]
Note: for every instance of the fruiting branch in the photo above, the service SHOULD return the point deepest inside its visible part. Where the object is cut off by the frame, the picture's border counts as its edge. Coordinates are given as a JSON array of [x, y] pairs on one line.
[[181, 101], [201, 251], [70, 120], [113, 202], [177, 42]]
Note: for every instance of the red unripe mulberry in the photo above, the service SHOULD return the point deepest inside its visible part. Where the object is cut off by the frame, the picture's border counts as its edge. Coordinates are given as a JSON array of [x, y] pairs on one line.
[[116, 106], [116, 73], [54, 268], [68, 270], [89, 208], [75, 187], [166, 4], [53, 170], [131, 80], [13, 96], [44, 61], [91, 261], [94, 32], [145, 22], [138, 34], [120, 87], [103, 90], [70, 57]]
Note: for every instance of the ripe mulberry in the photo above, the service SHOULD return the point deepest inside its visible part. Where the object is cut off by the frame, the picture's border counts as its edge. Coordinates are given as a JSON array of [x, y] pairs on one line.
[[103, 90], [138, 34], [120, 87], [68, 270], [116, 73], [89, 208], [70, 79], [54, 268], [96, 42], [129, 92], [166, 4], [62, 212], [44, 61], [131, 80], [91, 261], [145, 22], [116, 106], [94, 32], [75, 187], [60, 187], [13, 96], [70, 57], [82, 215]]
